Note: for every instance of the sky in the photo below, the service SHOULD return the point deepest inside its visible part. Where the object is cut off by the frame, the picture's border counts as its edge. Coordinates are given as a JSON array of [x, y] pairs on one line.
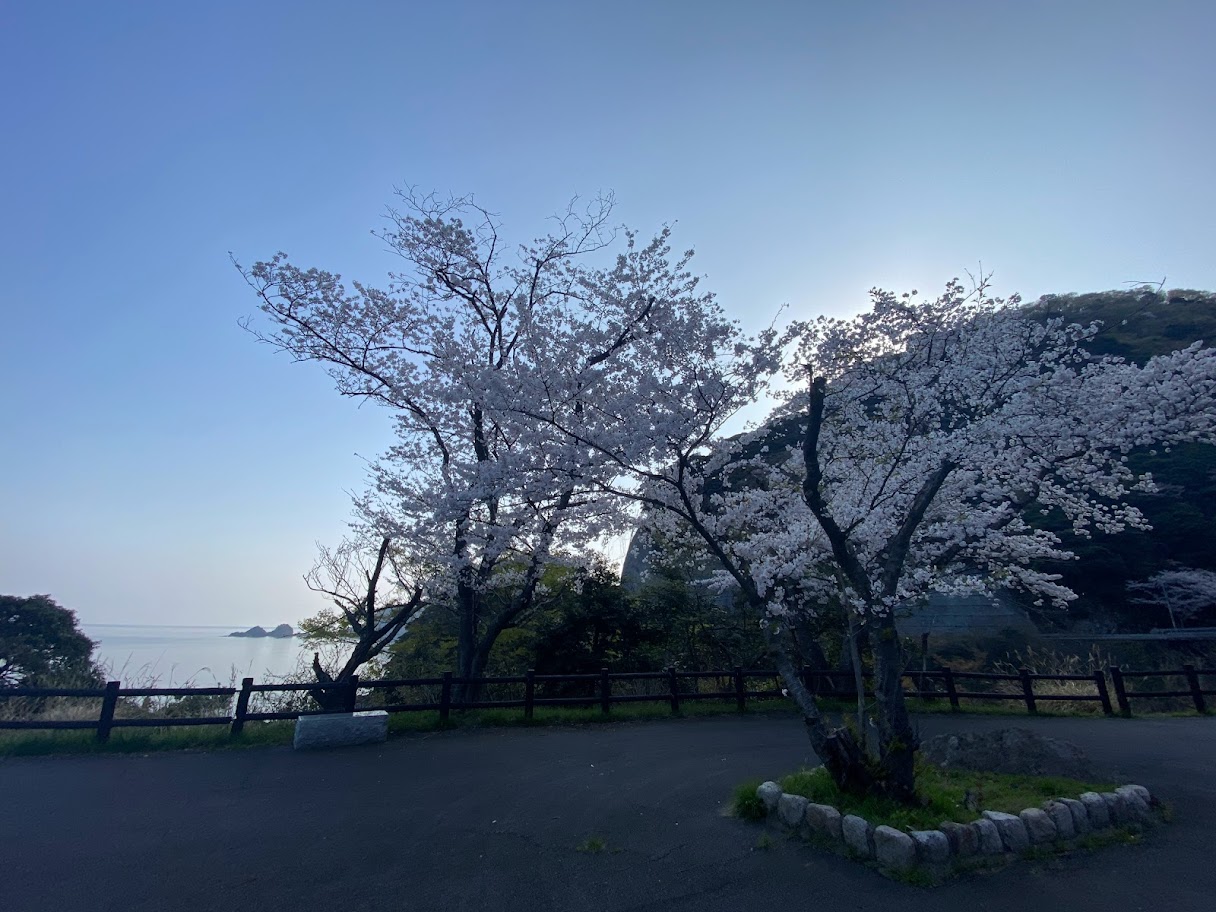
[[157, 465]]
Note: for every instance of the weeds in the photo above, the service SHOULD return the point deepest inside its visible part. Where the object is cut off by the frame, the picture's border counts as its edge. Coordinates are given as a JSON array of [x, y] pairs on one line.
[[592, 845], [746, 804]]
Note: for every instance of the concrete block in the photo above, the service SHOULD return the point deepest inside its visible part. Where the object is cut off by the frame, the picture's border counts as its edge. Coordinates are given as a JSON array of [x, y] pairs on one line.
[[340, 729]]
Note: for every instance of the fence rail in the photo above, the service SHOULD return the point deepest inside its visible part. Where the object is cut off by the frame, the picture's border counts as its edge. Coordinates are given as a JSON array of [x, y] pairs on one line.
[[680, 686]]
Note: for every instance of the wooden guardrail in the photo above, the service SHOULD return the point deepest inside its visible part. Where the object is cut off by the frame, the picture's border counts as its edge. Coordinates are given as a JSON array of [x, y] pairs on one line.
[[674, 687]]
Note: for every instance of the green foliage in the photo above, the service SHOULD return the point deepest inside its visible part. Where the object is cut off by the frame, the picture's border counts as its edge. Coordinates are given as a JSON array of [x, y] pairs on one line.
[[42, 646], [746, 804], [1138, 323], [326, 626], [584, 625]]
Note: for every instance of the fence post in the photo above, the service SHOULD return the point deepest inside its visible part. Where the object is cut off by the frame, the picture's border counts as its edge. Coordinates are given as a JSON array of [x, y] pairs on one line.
[[1196, 691], [951, 691], [352, 693], [740, 690], [108, 704], [529, 692], [673, 685], [605, 691], [1028, 690], [1103, 693], [920, 686], [445, 697], [242, 706], [1116, 678]]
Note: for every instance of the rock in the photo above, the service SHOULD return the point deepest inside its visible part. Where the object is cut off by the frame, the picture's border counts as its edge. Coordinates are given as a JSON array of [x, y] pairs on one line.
[[1137, 806], [1141, 791], [1080, 817], [990, 837], [1039, 826], [1061, 816], [340, 729], [964, 838], [824, 820], [1120, 813], [1009, 750], [895, 851], [791, 809], [858, 835], [932, 846], [282, 632], [1096, 808], [1013, 831], [769, 793]]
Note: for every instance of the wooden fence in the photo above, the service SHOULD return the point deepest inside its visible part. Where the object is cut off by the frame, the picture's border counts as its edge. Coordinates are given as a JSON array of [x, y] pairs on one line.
[[670, 686]]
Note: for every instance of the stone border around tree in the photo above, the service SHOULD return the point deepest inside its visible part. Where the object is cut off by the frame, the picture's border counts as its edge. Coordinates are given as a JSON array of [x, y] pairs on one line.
[[994, 838]]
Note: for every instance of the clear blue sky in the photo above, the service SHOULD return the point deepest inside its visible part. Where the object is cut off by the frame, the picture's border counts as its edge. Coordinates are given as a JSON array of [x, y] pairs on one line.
[[156, 465]]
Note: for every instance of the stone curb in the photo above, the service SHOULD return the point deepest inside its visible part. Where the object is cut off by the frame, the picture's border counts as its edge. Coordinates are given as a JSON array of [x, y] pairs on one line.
[[1058, 822]]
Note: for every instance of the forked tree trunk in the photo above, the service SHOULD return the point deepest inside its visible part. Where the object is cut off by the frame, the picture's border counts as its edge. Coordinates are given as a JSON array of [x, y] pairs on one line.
[[892, 774]]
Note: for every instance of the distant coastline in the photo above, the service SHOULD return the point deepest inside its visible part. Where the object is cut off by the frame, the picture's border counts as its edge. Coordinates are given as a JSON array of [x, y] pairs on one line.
[[282, 632], [201, 655]]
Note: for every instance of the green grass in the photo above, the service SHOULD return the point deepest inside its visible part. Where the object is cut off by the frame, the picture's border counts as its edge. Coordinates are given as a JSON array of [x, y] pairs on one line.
[[594, 845], [258, 734], [747, 804], [942, 796], [143, 740]]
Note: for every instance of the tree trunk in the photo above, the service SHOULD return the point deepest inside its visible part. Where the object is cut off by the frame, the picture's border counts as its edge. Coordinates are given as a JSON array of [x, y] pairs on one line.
[[859, 680], [844, 760], [897, 739], [842, 756], [476, 670], [466, 641]]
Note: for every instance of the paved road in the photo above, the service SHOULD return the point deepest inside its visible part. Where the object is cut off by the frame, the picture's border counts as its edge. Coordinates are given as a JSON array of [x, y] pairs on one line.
[[491, 820]]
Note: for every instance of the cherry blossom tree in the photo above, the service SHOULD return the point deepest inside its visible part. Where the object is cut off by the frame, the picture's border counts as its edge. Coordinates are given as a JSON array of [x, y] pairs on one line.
[[472, 493], [926, 436], [1184, 592]]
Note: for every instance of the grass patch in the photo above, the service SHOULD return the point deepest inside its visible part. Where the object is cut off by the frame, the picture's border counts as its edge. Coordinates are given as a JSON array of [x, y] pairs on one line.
[[943, 794], [764, 843], [747, 805], [144, 740], [592, 845], [915, 877], [16, 743]]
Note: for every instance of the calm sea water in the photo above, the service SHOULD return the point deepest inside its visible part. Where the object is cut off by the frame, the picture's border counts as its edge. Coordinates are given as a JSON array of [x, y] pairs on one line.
[[181, 656]]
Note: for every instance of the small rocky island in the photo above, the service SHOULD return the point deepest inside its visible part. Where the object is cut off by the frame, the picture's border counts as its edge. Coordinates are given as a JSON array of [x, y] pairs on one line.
[[282, 632]]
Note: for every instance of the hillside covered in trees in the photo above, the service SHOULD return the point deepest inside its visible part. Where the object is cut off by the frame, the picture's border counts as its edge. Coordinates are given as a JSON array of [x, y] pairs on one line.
[[1136, 325]]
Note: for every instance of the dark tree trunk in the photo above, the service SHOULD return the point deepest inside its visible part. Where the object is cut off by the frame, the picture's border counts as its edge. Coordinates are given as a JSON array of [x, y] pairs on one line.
[[897, 739], [845, 759], [466, 642]]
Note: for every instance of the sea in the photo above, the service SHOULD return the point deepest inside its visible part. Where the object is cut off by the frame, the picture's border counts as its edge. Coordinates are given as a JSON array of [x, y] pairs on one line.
[[154, 655]]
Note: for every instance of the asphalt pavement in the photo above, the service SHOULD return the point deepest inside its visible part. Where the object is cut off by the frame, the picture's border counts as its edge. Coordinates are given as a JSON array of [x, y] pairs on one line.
[[501, 820]]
